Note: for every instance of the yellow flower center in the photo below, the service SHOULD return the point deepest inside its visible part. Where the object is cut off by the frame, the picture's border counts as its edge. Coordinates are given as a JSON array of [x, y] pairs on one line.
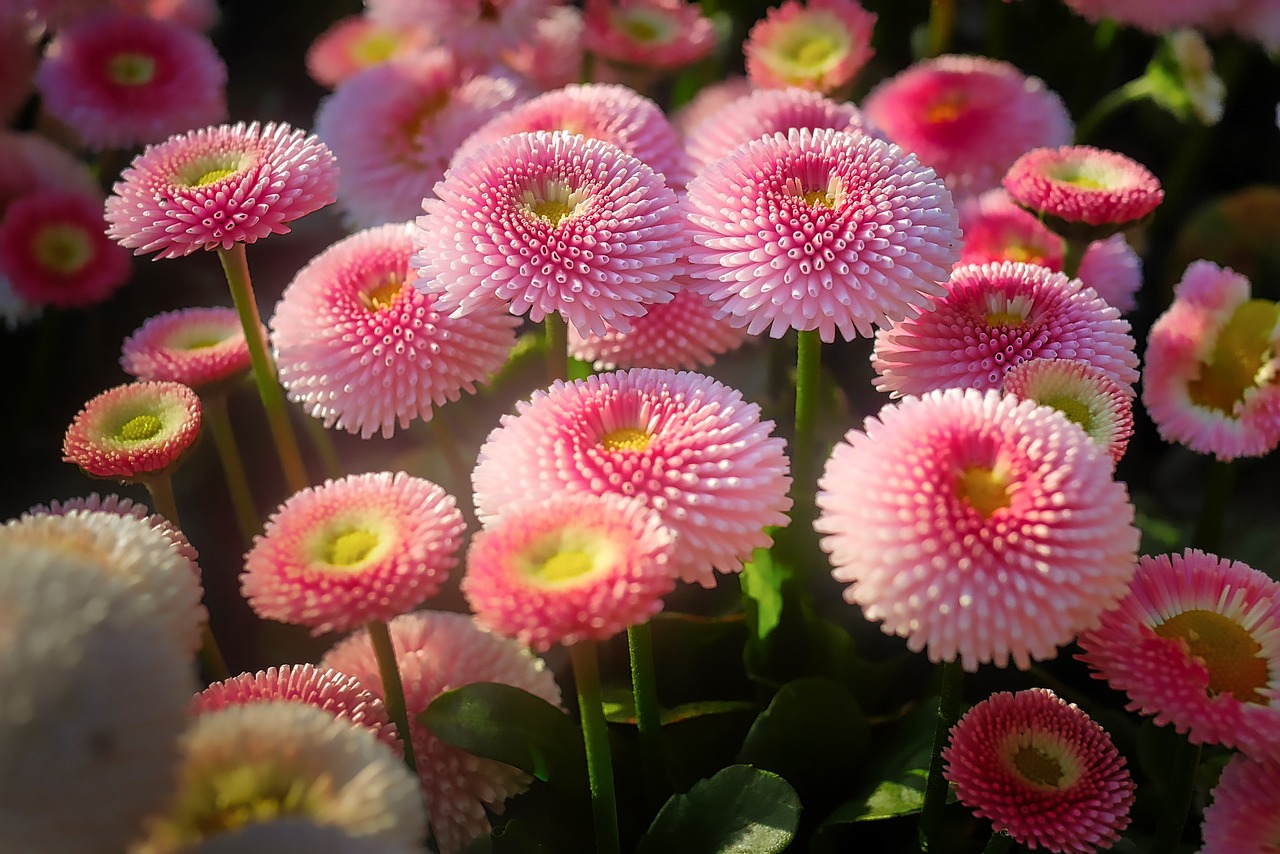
[[1006, 311], [814, 50], [62, 248], [626, 439], [1075, 410], [830, 198], [553, 202], [1038, 767], [1228, 651], [139, 428], [243, 796], [131, 69], [1083, 175], [382, 295], [1022, 252], [376, 47], [1242, 348], [985, 490], [644, 26], [349, 548], [564, 566]]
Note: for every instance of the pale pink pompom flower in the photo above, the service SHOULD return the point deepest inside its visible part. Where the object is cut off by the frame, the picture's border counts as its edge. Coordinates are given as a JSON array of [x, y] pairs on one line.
[[819, 45], [551, 56], [660, 35], [479, 29], [356, 42], [204, 348], [1245, 812], [1083, 393]]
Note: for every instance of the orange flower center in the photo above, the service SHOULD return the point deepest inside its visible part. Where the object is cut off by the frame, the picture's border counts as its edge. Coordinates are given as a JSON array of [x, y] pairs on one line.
[[1228, 651], [131, 69], [382, 295], [62, 248], [948, 108], [139, 428], [984, 489], [626, 439], [1242, 348]]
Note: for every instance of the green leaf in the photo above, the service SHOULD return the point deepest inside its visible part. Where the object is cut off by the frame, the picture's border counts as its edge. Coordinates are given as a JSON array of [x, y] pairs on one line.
[[740, 810], [762, 581]]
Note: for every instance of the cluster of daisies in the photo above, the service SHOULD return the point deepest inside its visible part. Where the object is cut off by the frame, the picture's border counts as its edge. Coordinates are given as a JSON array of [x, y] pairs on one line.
[[948, 219]]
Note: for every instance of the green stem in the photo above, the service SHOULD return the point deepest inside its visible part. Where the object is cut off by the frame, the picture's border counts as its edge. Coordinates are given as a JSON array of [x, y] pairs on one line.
[[323, 443], [448, 448], [808, 377], [160, 488], [392, 688], [1072, 254], [595, 736], [1134, 90], [935, 791], [942, 17], [557, 347], [214, 665], [1213, 513], [644, 690], [224, 439], [236, 268], [1178, 796], [999, 843]]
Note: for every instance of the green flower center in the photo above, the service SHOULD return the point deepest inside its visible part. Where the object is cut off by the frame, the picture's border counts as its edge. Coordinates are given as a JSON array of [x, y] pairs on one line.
[[1228, 651], [626, 439], [985, 490], [131, 69], [63, 249], [381, 295], [645, 28], [813, 51], [1242, 348], [1038, 767], [1075, 410], [349, 547], [140, 428], [1083, 175]]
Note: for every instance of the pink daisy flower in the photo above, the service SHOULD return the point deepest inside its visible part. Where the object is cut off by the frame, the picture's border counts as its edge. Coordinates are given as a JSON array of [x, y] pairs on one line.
[[572, 568], [474, 28], [30, 162], [1155, 18], [763, 113], [1041, 770], [365, 547], [361, 348], [656, 34], [683, 443], [198, 15], [1082, 192], [608, 112], [1245, 813], [552, 222], [438, 651], [125, 507], [337, 693], [1211, 366], [119, 80], [820, 230], [997, 316], [968, 117], [710, 99], [551, 56], [208, 189], [354, 43], [199, 347], [395, 126], [1083, 393], [134, 431], [1196, 643], [976, 525], [18, 58], [53, 250], [819, 45]]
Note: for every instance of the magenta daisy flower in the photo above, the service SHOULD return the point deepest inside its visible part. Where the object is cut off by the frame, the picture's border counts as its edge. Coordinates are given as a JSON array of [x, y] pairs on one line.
[[997, 316], [552, 222], [1082, 192], [571, 568], [1245, 813], [1083, 393], [337, 693], [819, 45], [395, 126], [976, 525], [361, 348], [655, 34], [688, 446], [210, 188], [1196, 644], [18, 58], [1041, 770], [119, 80], [53, 250], [198, 347], [365, 547], [134, 431], [820, 230], [354, 43], [30, 162], [550, 56], [968, 117], [1211, 366], [437, 651], [1156, 18]]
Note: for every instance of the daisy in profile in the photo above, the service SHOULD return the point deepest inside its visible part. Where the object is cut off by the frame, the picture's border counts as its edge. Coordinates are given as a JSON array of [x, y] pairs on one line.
[[1083, 393], [560, 223], [684, 444], [1041, 770], [1245, 812], [977, 526], [1210, 381], [968, 117], [134, 431], [660, 35], [820, 230], [365, 547], [997, 316], [437, 651], [1196, 643], [361, 348], [357, 42], [203, 348], [818, 45]]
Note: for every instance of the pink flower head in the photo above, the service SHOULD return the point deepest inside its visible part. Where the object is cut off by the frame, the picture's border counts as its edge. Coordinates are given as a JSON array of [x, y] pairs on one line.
[[365, 547], [1210, 381], [656, 34], [551, 55], [337, 693], [438, 651], [134, 431], [30, 162], [208, 189], [1245, 813], [119, 80], [968, 117], [982, 527], [709, 99], [125, 507], [552, 222], [1196, 644], [199, 347], [1083, 393], [608, 112], [997, 316], [688, 446], [1162, 17], [198, 15], [478, 29], [394, 127], [765, 112], [1082, 192], [1041, 770], [18, 58], [571, 568], [682, 334], [53, 250], [354, 43], [820, 230], [359, 346], [820, 45]]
